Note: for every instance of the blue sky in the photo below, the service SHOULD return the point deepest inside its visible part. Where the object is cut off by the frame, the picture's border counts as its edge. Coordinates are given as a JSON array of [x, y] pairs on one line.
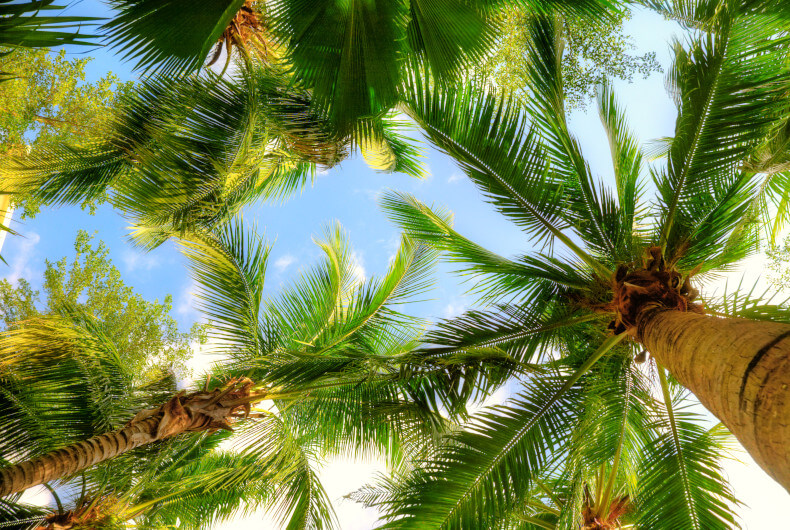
[[349, 194]]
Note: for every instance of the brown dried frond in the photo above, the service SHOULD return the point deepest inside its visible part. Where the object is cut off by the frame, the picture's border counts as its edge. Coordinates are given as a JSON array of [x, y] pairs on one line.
[[594, 520], [200, 411], [248, 33]]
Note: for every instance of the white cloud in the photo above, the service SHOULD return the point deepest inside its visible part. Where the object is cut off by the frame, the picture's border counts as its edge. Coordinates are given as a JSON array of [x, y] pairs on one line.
[[358, 266], [455, 177], [21, 262], [373, 195], [37, 495], [135, 260], [284, 262], [340, 477], [186, 301], [455, 308], [391, 246], [203, 357]]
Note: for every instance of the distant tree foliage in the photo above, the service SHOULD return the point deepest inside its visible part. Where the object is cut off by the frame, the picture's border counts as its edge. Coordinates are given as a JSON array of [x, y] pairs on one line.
[[144, 332], [47, 101], [779, 265], [596, 50]]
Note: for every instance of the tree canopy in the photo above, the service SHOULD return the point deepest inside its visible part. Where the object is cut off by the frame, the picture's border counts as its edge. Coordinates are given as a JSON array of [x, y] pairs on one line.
[[146, 335]]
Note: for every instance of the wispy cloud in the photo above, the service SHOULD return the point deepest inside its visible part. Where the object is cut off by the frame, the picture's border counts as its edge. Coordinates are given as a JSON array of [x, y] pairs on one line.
[[358, 266], [21, 262], [373, 195], [134, 261], [391, 246], [455, 177], [283, 262], [455, 308], [186, 301]]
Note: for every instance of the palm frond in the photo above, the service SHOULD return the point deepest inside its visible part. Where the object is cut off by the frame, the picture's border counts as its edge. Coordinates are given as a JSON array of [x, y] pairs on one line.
[[682, 483], [229, 266], [299, 500], [591, 211], [498, 150], [21, 24], [627, 158], [485, 470], [65, 383], [730, 86]]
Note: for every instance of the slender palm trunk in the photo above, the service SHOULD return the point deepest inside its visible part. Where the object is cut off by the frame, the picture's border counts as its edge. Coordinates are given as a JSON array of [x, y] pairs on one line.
[[199, 411], [739, 370], [69, 460]]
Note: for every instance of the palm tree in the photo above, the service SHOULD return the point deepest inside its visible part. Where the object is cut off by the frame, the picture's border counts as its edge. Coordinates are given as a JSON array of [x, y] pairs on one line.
[[190, 153], [52, 396], [326, 354], [629, 274]]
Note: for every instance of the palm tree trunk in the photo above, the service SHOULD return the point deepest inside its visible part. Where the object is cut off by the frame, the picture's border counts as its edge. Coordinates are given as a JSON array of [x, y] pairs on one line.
[[71, 459], [739, 370], [199, 411]]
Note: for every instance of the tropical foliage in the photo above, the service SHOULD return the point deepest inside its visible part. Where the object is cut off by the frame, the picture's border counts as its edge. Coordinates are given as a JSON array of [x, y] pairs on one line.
[[73, 380], [144, 333], [331, 335], [590, 436], [531, 168], [23, 25], [349, 55], [190, 153]]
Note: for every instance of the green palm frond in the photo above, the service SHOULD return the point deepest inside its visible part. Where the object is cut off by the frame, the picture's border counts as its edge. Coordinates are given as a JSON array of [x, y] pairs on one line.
[[347, 54], [682, 485], [299, 500], [180, 152], [332, 308], [627, 157], [211, 490], [493, 275], [702, 14], [591, 211], [744, 301], [387, 149], [483, 471], [486, 469], [66, 383], [21, 24], [730, 86], [500, 152], [480, 351], [229, 267]]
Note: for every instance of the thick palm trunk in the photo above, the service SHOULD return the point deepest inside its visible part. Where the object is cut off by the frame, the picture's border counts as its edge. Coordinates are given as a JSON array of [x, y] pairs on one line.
[[739, 370], [199, 411]]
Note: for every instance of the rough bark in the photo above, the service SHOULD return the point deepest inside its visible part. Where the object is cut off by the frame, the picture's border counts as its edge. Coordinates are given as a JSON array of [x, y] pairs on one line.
[[739, 370], [73, 458], [199, 411]]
